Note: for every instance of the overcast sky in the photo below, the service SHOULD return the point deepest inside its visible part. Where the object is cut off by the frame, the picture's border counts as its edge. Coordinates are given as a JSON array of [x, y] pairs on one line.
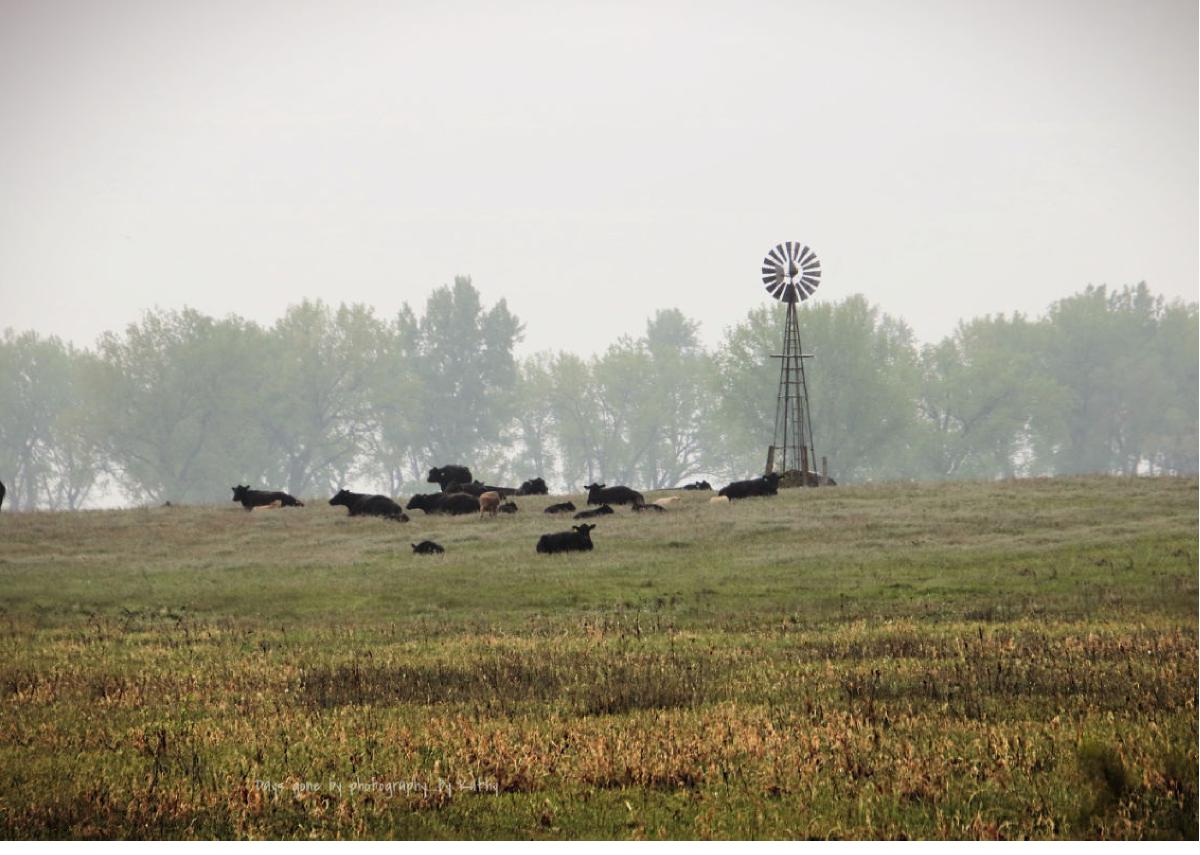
[[590, 162]]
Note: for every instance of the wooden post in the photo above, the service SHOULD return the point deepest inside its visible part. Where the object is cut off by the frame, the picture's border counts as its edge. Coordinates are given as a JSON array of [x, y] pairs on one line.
[[824, 469], [770, 460]]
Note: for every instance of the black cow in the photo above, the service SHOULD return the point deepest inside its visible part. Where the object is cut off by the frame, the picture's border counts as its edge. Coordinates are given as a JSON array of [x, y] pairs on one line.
[[427, 547], [445, 475], [598, 494], [508, 508], [598, 512], [560, 508], [444, 503], [365, 504], [534, 487], [478, 488], [579, 539], [257, 498], [698, 485], [767, 485], [2, 491], [650, 507]]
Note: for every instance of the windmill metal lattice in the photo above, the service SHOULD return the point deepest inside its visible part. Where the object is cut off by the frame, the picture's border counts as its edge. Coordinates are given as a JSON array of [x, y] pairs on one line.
[[791, 272]]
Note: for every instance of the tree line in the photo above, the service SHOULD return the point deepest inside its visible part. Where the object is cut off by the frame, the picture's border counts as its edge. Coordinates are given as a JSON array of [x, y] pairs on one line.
[[180, 406]]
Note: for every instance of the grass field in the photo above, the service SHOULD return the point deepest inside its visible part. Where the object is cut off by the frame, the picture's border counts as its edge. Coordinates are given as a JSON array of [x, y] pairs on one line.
[[1002, 660]]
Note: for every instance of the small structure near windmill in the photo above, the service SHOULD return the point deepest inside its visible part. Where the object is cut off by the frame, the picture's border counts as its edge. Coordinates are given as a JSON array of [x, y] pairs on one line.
[[791, 271]]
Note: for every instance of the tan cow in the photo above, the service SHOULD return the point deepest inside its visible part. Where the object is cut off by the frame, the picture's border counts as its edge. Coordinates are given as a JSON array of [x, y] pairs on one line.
[[489, 503]]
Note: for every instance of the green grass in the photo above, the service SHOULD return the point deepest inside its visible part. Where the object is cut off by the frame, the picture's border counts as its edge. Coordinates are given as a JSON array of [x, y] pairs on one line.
[[1014, 660]]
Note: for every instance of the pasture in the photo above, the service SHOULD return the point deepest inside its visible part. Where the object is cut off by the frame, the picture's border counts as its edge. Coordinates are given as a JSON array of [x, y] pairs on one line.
[[963, 660]]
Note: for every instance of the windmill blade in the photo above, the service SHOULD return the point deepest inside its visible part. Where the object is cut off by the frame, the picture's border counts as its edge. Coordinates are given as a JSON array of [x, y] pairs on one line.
[[791, 271]]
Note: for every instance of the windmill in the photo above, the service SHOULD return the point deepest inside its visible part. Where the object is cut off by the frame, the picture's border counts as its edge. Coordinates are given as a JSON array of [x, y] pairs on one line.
[[791, 272]]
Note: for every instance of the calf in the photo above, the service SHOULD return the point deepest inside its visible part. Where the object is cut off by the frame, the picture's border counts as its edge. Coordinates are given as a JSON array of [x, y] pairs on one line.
[[649, 507], [255, 498], [427, 547], [767, 485], [444, 503], [579, 539], [719, 500], [533, 487], [698, 485], [508, 508], [275, 504], [445, 475], [368, 505], [598, 512], [561, 507], [669, 500], [489, 503], [598, 494]]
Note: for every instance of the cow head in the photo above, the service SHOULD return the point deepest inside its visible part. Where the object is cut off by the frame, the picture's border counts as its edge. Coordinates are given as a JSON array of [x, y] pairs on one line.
[[239, 492], [342, 498], [590, 487], [435, 476], [584, 529]]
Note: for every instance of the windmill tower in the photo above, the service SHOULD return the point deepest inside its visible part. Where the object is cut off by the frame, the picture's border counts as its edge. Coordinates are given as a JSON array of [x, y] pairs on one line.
[[791, 273]]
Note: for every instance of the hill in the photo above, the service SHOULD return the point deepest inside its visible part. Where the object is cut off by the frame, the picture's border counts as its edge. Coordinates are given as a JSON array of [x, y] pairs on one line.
[[1011, 659]]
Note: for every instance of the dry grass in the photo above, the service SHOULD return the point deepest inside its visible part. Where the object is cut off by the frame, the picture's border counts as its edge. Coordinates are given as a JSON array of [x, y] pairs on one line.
[[953, 661]]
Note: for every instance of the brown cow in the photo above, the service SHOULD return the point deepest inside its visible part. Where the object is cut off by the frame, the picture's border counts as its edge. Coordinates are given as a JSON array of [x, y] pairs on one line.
[[489, 503]]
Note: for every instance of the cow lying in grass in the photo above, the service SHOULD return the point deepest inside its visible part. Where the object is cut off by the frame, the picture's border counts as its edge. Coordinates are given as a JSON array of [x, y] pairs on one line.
[[560, 508], [533, 487], [598, 512], [256, 498], [508, 508], [698, 485], [367, 505], [579, 539], [598, 494], [444, 503], [767, 485], [478, 488], [427, 547], [650, 507]]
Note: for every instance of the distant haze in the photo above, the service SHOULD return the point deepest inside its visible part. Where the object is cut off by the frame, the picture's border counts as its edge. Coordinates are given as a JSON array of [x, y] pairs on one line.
[[593, 162]]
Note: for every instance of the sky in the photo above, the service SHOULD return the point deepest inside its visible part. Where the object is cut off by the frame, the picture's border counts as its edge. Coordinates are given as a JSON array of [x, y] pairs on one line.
[[590, 162]]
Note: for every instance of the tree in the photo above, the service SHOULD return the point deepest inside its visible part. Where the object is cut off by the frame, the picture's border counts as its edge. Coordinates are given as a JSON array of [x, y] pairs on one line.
[[861, 387], [171, 401], [987, 401], [316, 410], [47, 452], [466, 377]]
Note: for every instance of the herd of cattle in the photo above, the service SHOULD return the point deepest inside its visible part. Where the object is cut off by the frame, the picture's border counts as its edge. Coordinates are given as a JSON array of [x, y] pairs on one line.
[[462, 494]]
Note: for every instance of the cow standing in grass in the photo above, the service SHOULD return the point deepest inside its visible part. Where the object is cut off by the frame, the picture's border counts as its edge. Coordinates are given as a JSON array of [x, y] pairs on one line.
[[444, 476], [489, 503]]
